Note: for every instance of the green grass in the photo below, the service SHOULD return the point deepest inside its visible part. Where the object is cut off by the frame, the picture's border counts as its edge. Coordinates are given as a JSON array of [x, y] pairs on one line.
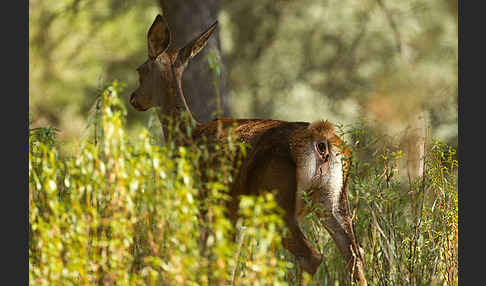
[[128, 211]]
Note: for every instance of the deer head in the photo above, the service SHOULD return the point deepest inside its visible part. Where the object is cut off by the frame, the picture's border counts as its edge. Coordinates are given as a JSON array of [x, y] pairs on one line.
[[160, 75]]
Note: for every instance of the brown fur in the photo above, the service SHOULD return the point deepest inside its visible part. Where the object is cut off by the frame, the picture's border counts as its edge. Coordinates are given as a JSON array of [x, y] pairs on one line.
[[283, 155]]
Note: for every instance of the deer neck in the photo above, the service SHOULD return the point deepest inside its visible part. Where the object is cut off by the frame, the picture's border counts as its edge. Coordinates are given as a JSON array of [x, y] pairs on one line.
[[177, 106]]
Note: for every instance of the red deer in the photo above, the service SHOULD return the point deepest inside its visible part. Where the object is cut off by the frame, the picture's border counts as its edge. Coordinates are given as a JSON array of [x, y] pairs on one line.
[[292, 157]]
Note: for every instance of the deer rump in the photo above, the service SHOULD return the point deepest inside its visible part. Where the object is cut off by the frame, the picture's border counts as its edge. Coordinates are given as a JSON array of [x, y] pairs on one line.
[[274, 163], [281, 158]]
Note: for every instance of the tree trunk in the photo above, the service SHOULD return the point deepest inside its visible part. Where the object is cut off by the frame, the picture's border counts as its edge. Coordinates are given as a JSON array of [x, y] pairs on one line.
[[416, 146], [187, 19]]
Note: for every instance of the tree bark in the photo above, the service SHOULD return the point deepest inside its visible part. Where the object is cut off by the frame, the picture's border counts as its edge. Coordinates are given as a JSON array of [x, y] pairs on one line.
[[187, 19]]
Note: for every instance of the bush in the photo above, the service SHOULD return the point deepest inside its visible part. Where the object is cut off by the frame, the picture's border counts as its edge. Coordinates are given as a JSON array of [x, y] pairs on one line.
[[122, 212], [407, 228], [116, 211]]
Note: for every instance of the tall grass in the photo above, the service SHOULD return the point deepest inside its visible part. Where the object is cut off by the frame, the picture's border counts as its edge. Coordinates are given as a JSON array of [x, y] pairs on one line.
[[407, 228], [127, 211], [131, 213]]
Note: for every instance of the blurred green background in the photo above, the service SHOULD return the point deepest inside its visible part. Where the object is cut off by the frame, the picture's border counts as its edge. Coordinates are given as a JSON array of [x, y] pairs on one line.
[[383, 61]]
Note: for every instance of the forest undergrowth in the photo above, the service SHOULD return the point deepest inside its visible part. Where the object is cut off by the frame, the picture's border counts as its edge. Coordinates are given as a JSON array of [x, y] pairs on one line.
[[117, 210]]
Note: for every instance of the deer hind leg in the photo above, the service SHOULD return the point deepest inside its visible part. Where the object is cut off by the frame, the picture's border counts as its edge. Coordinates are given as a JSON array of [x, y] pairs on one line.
[[309, 259], [277, 173], [339, 224], [282, 176], [342, 233]]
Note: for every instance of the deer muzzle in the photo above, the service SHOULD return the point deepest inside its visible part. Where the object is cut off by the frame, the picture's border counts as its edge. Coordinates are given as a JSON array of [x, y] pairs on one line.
[[134, 103]]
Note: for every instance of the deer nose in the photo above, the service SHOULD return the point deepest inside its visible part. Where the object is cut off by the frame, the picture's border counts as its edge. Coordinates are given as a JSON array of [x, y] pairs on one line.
[[133, 102], [132, 99]]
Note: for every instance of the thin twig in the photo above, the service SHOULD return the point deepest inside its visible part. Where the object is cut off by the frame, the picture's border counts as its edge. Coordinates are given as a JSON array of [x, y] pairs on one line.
[[237, 256]]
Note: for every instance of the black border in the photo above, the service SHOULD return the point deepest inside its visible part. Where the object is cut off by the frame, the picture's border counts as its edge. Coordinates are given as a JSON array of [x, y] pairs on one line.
[[15, 116], [470, 144]]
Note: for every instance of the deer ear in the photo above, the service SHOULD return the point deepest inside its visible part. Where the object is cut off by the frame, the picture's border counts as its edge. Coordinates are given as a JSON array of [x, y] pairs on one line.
[[158, 37], [195, 46]]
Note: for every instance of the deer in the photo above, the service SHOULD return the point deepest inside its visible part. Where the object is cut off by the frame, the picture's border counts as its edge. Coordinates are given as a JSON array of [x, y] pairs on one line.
[[295, 158]]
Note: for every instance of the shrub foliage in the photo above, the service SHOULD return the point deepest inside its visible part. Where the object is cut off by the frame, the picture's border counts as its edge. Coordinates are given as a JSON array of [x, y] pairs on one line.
[[132, 212]]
